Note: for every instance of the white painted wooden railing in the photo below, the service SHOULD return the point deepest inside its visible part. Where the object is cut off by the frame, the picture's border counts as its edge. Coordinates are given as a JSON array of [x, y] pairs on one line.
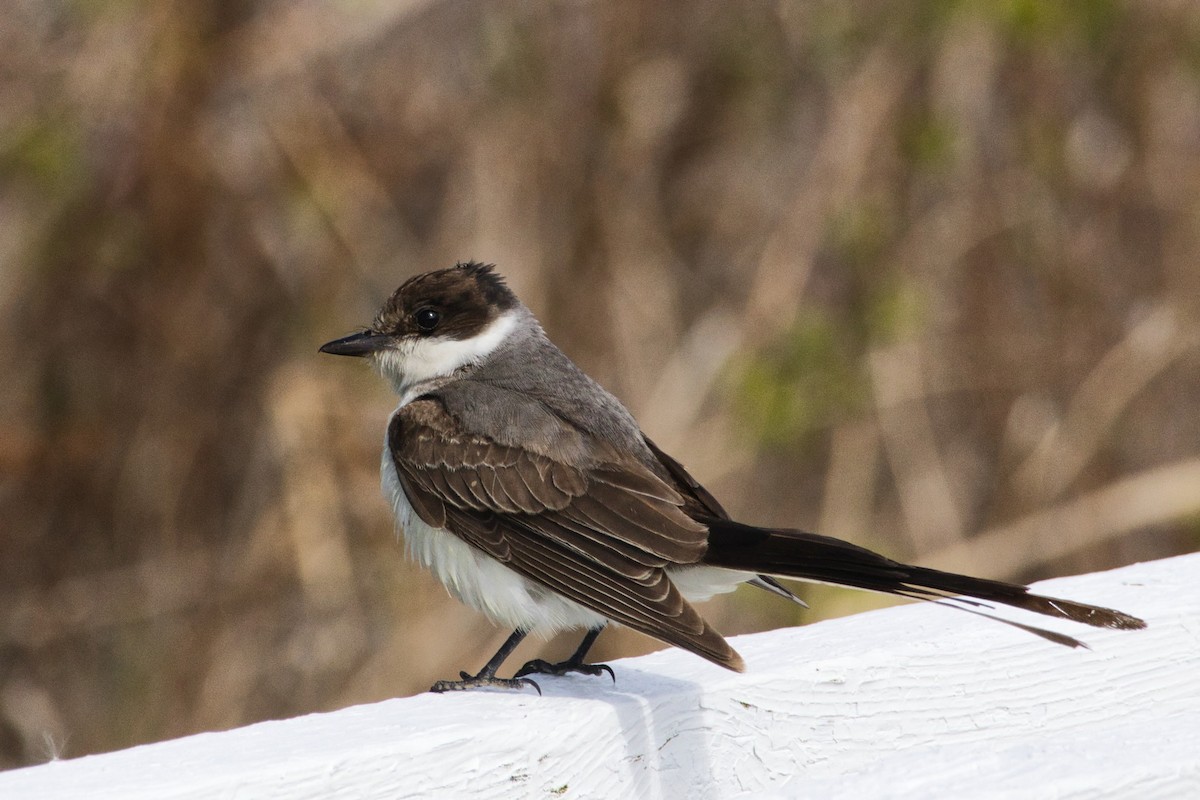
[[918, 701]]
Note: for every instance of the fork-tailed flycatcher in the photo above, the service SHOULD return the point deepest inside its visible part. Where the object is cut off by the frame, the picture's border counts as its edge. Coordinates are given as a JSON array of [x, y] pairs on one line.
[[533, 495]]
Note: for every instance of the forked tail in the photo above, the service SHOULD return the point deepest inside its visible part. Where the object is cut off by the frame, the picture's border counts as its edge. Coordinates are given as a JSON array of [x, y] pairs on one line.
[[809, 556]]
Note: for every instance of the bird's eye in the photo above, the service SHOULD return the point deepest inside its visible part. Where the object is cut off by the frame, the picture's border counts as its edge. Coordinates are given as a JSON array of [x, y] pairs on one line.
[[427, 319]]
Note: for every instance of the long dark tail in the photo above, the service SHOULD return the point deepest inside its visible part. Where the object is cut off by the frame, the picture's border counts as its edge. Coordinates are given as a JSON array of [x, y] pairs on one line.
[[810, 556]]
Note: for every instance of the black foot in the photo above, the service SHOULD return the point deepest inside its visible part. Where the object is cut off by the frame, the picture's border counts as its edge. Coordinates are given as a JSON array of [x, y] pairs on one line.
[[540, 667], [483, 681]]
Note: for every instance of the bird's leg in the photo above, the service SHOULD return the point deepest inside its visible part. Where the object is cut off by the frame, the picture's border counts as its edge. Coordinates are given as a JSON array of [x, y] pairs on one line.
[[487, 675], [572, 664]]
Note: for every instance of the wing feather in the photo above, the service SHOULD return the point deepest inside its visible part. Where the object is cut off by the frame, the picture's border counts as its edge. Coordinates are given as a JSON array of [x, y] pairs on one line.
[[654, 607], [601, 535]]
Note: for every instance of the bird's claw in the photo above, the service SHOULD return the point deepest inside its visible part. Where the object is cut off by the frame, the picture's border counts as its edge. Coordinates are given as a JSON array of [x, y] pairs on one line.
[[542, 667]]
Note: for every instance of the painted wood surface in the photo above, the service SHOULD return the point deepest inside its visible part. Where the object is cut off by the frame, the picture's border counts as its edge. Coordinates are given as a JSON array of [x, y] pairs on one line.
[[917, 701]]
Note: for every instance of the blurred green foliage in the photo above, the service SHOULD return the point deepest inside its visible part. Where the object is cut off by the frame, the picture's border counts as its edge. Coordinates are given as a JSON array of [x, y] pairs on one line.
[[801, 383]]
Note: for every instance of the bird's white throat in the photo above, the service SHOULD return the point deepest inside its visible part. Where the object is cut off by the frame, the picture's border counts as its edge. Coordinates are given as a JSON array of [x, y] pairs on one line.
[[414, 362]]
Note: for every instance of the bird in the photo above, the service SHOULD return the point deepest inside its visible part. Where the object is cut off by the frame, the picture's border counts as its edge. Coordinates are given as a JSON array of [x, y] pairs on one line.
[[533, 495]]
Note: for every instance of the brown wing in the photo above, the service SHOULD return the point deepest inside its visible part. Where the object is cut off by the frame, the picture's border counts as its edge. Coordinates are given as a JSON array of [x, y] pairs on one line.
[[697, 499], [600, 535]]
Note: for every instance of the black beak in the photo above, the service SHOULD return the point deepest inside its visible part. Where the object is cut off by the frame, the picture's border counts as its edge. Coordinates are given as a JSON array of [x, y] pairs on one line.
[[357, 344]]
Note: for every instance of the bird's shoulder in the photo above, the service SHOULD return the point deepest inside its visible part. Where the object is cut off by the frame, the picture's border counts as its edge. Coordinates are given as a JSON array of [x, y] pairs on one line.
[[427, 434], [431, 445]]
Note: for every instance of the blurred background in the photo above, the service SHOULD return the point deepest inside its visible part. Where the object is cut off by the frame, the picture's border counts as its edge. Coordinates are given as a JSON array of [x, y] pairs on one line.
[[919, 274]]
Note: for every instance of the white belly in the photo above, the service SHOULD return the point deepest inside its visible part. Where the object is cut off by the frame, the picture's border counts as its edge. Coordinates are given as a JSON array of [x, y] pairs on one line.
[[509, 599]]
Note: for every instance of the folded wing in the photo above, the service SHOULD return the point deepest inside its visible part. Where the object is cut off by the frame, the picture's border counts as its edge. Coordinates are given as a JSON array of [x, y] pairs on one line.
[[601, 534]]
